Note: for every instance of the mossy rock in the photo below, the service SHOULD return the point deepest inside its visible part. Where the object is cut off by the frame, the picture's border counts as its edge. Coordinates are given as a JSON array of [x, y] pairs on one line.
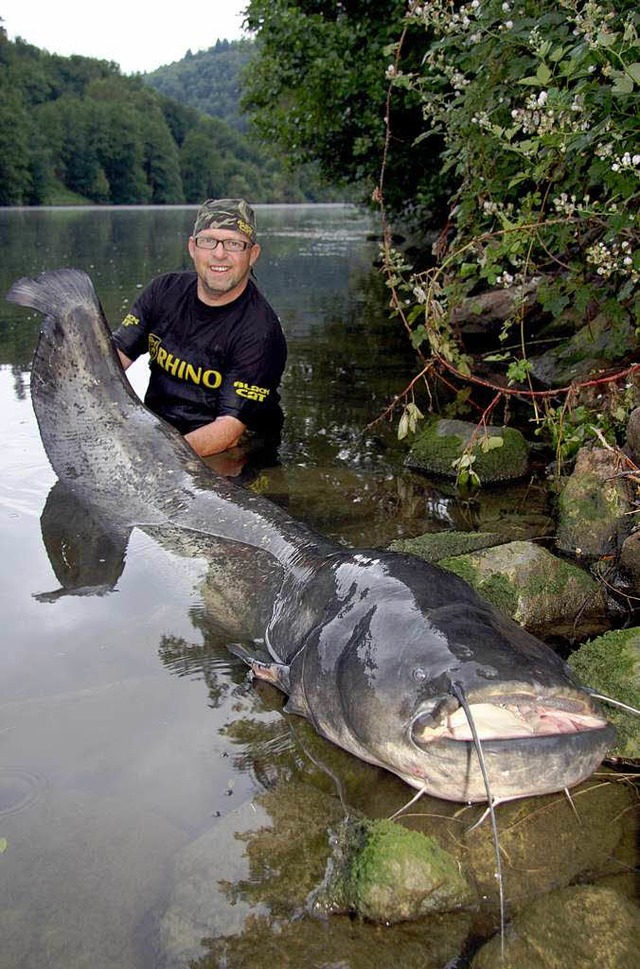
[[387, 873], [585, 926], [538, 590], [439, 545], [592, 515], [501, 453], [610, 665]]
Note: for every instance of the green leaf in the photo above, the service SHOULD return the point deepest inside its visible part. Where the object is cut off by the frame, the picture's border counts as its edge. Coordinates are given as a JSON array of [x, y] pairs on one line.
[[543, 74], [3, 845], [606, 39], [622, 84], [497, 357], [491, 443], [634, 71], [531, 81]]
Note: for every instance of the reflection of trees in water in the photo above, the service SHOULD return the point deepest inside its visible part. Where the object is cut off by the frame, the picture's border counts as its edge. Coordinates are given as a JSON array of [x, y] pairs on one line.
[[20, 388], [338, 943], [119, 249], [197, 661], [342, 374]]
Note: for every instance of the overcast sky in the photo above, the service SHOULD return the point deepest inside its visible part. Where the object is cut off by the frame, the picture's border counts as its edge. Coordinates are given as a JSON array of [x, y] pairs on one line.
[[139, 35]]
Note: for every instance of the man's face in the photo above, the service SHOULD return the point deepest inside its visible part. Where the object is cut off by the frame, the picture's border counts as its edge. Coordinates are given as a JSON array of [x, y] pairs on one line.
[[222, 275]]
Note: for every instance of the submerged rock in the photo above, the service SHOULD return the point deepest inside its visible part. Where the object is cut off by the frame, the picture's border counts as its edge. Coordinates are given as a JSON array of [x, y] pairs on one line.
[[585, 926], [386, 873], [501, 453], [593, 836], [439, 545], [542, 592], [610, 664], [594, 506]]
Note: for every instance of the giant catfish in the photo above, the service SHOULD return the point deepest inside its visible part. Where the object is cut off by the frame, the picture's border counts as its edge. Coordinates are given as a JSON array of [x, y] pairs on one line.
[[375, 648]]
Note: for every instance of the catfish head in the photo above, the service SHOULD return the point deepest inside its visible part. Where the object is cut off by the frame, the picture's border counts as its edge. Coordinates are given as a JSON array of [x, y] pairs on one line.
[[379, 664]]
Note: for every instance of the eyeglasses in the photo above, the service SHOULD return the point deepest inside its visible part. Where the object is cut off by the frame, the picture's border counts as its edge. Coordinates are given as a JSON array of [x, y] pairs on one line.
[[229, 245]]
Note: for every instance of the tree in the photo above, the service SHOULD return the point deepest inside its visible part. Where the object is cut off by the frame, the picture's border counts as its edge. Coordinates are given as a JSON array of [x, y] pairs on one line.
[[15, 181], [201, 167], [318, 91]]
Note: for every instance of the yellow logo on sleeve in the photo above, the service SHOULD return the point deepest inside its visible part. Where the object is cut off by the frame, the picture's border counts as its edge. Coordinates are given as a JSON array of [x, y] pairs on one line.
[[250, 392], [130, 320]]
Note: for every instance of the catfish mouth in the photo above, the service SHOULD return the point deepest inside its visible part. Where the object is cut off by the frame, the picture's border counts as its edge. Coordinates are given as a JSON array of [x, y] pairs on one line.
[[507, 717]]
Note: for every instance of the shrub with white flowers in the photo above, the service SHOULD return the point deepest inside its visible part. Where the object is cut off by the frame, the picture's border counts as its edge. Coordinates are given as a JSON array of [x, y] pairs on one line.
[[538, 103]]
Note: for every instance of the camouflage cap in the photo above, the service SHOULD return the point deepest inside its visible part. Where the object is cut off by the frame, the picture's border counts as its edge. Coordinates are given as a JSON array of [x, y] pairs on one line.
[[233, 214]]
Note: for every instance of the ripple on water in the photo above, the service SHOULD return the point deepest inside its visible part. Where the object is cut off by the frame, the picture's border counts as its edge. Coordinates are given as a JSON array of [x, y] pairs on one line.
[[19, 789]]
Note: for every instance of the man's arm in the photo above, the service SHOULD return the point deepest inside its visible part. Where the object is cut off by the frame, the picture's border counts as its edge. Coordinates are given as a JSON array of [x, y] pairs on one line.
[[124, 360], [219, 435]]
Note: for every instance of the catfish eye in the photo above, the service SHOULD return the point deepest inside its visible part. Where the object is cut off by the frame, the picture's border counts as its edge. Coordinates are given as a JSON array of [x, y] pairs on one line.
[[419, 674]]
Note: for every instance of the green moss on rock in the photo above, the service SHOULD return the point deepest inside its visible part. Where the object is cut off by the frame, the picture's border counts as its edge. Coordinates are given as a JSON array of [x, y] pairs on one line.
[[385, 872], [441, 442], [610, 665], [537, 589], [590, 513], [440, 545], [497, 589]]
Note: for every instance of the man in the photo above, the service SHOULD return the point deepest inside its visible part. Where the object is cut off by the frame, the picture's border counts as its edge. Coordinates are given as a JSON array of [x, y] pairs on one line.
[[216, 348]]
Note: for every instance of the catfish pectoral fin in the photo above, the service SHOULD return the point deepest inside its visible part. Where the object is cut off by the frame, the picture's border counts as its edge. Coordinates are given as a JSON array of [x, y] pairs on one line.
[[262, 666], [296, 705]]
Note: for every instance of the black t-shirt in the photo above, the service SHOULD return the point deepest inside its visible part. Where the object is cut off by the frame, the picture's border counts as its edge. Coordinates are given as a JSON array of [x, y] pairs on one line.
[[206, 361]]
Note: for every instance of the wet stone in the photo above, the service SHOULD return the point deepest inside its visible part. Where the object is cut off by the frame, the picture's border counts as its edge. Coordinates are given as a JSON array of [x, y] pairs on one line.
[[633, 434], [593, 507], [588, 836], [599, 928], [439, 545], [387, 873], [543, 593], [593, 347]]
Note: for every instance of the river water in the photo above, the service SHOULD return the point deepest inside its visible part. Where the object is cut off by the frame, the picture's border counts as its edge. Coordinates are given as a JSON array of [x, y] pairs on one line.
[[139, 769]]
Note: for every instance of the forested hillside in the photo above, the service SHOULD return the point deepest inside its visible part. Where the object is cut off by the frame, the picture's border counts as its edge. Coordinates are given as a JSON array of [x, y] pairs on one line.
[[209, 80], [73, 129]]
